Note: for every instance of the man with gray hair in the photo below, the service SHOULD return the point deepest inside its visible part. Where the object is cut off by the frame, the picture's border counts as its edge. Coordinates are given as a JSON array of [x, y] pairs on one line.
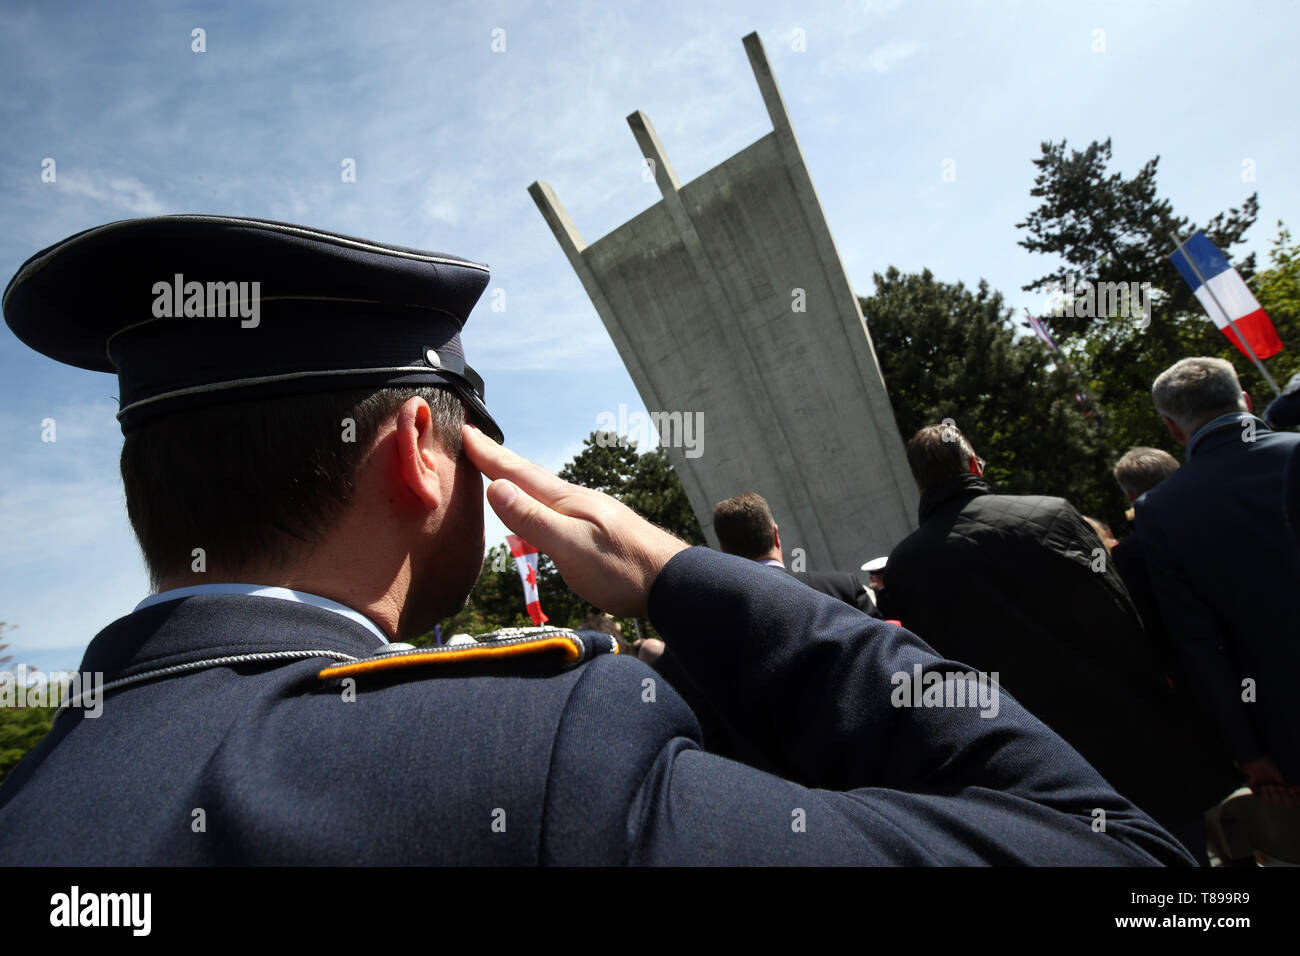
[[1198, 391], [1226, 570]]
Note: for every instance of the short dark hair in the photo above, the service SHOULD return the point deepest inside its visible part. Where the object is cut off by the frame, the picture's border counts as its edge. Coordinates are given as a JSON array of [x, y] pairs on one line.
[[743, 525], [257, 480], [1141, 469], [937, 454]]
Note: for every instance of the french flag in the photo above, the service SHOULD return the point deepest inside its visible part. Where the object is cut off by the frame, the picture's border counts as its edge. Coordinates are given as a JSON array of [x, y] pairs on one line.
[[525, 556], [1218, 280]]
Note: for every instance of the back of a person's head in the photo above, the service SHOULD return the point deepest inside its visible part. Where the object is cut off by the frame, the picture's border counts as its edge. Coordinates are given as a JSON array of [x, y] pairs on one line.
[[602, 622], [743, 525], [1194, 391], [1142, 468], [1103, 531], [255, 483], [937, 454]]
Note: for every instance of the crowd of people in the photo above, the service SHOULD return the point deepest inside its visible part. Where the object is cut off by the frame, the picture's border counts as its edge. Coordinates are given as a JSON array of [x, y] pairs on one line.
[[1164, 658]]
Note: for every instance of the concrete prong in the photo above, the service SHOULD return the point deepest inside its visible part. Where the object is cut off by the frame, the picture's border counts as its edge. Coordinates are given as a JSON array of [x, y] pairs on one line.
[[558, 218], [772, 98], [653, 150]]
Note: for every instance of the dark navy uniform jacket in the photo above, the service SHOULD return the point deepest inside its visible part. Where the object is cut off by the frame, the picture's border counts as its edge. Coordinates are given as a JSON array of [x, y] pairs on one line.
[[1226, 570], [496, 761]]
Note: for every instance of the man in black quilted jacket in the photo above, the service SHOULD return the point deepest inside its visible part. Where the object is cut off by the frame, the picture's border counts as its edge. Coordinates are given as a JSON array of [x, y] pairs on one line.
[[1022, 586]]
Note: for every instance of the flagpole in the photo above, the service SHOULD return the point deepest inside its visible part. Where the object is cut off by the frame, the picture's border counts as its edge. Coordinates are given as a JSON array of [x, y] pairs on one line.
[[1231, 321], [1059, 356]]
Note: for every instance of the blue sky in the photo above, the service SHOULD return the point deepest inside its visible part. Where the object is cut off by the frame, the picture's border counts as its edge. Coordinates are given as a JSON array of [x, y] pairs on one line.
[[447, 134]]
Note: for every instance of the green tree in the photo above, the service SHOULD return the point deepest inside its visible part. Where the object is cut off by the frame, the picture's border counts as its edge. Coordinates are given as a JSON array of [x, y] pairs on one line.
[[1278, 290], [21, 727], [646, 483], [1103, 227], [605, 463], [949, 352], [5, 626]]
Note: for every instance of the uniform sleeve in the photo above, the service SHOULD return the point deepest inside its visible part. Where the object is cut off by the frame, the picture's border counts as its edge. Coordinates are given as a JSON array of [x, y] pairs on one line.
[[861, 780]]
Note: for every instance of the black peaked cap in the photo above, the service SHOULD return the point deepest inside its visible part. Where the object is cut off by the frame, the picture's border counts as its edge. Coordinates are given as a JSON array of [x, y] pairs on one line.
[[197, 310]]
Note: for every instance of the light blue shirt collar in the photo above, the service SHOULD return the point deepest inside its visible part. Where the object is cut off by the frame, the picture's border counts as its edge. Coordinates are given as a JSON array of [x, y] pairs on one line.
[[773, 563], [262, 590], [1217, 423]]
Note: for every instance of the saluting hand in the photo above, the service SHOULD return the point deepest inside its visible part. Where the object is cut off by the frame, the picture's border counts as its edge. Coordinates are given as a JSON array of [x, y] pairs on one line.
[[605, 551]]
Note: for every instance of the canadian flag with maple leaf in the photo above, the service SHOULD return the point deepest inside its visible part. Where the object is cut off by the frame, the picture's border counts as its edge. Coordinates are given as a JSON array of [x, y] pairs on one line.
[[526, 563]]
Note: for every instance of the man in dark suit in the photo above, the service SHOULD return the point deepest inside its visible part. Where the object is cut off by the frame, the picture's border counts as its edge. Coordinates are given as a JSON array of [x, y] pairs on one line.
[[1284, 412], [1225, 568], [307, 495], [1055, 621], [1137, 472], [745, 528]]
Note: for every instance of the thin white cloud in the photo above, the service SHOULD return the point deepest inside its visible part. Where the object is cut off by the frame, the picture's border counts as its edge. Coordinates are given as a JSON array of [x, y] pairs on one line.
[[888, 56], [117, 193], [560, 342]]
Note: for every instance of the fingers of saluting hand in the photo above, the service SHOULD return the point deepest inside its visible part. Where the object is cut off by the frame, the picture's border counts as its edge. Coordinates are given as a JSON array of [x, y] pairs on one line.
[[605, 551], [498, 462], [527, 498]]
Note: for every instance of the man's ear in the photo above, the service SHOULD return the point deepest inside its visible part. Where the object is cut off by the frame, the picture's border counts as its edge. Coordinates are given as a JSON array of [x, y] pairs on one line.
[[1180, 436], [975, 468], [416, 444], [1250, 406], [776, 535]]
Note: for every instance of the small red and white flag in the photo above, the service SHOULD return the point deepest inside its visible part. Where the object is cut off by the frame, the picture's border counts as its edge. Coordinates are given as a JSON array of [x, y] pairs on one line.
[[526, 563], [1217, 284]]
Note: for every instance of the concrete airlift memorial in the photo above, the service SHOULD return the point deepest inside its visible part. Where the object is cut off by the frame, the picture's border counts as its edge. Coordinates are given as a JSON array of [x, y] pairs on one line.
[[728, 298]]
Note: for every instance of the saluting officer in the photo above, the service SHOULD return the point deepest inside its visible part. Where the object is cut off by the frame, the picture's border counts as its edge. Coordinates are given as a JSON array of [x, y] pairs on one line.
[[307, 495]]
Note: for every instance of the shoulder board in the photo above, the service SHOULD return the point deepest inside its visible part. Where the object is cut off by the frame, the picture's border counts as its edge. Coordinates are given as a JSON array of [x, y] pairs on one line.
[[514, 644]]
